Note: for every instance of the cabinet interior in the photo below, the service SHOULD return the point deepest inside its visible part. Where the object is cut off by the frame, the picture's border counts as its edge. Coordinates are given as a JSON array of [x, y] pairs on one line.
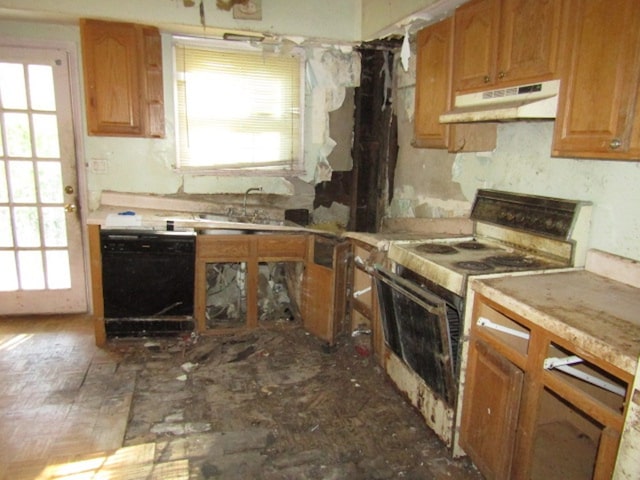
[[515, 342]]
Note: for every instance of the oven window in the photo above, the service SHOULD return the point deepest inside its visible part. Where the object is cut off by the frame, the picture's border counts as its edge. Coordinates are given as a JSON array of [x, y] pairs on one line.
[[416, 327]]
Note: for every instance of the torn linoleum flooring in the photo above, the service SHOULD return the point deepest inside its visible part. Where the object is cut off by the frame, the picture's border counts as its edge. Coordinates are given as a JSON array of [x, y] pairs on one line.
[[271, 404]]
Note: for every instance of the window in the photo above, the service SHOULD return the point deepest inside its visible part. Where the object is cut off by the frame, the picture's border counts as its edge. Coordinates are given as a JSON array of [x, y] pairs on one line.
[[238, 109]]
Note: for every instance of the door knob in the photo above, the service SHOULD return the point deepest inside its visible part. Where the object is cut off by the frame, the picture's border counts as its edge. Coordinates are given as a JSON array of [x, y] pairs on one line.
[[70, 207]]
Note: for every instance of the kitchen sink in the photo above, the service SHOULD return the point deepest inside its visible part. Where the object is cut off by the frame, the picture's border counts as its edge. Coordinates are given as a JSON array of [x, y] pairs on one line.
[[237, 222]]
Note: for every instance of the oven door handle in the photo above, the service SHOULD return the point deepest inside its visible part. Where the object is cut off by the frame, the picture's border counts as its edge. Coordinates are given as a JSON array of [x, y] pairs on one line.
[[425, 298]]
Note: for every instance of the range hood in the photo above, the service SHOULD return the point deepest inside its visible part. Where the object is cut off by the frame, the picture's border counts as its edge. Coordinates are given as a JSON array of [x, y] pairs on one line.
[[536, 100]]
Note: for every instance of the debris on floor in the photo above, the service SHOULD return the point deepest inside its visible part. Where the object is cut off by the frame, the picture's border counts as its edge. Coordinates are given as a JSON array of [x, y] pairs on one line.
[[271, 404]]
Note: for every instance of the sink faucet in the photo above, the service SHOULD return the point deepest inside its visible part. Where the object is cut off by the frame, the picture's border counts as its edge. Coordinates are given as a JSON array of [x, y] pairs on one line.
[[246, 194]]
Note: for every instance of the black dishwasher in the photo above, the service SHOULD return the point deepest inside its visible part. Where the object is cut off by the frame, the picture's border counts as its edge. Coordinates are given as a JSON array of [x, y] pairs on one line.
[[147, 281]]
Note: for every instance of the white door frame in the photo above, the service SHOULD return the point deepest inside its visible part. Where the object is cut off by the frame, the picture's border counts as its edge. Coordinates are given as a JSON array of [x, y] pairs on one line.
[[71, 51]]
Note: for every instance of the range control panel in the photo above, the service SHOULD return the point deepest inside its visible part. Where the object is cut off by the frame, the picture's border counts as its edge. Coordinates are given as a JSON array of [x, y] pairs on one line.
[[551, 217]]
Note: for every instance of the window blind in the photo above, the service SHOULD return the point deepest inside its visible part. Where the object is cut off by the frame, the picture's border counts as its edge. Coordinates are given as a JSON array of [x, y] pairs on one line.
[[237, 109]]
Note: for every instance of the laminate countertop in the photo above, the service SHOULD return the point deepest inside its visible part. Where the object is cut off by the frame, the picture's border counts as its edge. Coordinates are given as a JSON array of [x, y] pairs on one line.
[[597, 314]]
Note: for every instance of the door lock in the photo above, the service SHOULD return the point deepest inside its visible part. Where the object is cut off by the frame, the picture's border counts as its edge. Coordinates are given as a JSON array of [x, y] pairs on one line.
[[69, 189]]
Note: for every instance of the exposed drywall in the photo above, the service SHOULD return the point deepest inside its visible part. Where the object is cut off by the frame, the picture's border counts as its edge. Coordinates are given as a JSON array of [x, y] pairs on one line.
[[433, 183], [341, 131], [422, 185]]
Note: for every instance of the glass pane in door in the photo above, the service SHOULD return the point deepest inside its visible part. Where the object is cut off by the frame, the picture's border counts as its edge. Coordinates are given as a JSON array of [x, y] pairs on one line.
[[39, 239]]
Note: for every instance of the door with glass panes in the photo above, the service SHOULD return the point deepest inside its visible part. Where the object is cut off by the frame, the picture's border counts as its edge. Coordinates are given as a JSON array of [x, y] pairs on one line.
[[41, 256]]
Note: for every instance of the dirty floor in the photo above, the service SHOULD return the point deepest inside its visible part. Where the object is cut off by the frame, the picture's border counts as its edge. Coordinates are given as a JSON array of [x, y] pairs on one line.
[[269, 404]]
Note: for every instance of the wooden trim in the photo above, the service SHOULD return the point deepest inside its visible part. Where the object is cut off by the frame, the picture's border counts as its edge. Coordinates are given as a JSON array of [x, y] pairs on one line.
[[95, 261]]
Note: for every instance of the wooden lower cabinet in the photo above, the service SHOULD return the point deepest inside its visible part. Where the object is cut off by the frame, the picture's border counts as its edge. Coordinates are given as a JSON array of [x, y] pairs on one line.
[[363, 299], [491, 407], [226, 276], [521, 417]]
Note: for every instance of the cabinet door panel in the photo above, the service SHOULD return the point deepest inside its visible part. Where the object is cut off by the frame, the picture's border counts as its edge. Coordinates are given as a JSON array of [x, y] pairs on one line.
[[598, 102], [529, 39], [112, 79], [475, 44], [490, 410], [433, 84], [317, 301]]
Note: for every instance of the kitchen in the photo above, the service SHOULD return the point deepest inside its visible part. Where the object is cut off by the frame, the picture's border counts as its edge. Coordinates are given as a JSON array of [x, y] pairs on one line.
[[428, 184]]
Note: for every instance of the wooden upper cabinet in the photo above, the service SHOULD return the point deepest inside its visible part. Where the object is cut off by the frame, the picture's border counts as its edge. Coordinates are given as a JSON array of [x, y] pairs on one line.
[[530, 40], [476, 44], [506, 42], [433, 84], [599, 108], [434, 48], [122, 65]]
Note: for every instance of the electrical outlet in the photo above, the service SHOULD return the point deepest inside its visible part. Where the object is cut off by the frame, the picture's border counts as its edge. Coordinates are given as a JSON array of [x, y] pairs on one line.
[[99, 165]]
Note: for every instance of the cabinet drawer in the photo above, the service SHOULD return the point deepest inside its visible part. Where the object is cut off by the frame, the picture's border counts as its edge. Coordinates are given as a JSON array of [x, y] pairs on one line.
[[223, 247], [286, 247]]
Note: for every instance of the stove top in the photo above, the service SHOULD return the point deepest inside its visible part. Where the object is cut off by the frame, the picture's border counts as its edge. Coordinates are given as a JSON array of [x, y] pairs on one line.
[[512, 233], [449, 262]]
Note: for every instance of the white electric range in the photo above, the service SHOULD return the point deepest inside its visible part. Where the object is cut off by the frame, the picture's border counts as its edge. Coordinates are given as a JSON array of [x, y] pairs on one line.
[[422, 297]]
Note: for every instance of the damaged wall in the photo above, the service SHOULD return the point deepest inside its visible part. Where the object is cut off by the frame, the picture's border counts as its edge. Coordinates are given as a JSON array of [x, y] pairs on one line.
[[433, 183], [143, 165]]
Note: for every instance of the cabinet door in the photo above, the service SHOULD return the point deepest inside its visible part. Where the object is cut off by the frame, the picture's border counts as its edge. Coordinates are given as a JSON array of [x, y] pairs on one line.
[[490, 410], [530, 32], [152, 76], [598, 115], [433, 84], [434, 97], [475, 44], [317, 301], [324, 301], [112, 77]]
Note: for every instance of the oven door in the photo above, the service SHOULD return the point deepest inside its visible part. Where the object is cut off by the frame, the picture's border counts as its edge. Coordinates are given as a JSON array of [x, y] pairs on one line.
[[416, 325]]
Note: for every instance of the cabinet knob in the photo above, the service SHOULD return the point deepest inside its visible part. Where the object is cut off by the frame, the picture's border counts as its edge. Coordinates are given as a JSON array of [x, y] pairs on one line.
[[502, 75], [487, 79], [615, 143]]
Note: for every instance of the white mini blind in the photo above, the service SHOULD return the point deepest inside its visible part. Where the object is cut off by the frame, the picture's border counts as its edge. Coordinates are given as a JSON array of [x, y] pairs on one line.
[[238, 109]]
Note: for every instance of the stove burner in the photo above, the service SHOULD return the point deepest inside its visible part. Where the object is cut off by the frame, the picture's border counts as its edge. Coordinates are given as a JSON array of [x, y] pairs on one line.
[[435, 248], [474, 266], [512, 260], [472, 245]]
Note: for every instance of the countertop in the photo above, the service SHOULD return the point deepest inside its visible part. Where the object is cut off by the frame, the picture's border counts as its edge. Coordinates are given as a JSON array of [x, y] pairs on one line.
[[114, 217], [408, 229], [597, 314]]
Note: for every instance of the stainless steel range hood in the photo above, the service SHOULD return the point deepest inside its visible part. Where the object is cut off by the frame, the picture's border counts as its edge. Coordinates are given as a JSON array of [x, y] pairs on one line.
[[537, 100]]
